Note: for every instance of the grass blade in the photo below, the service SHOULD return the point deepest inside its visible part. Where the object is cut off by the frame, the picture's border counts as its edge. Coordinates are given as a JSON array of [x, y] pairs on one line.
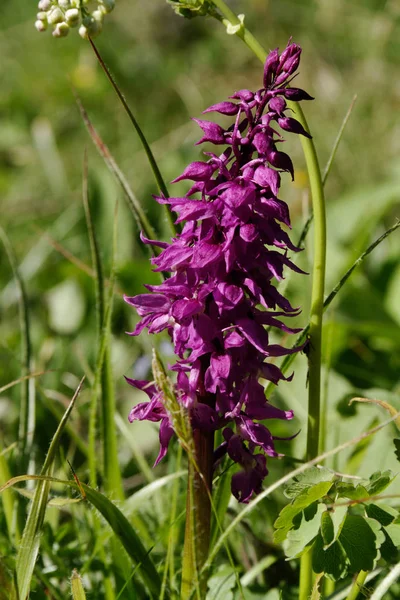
[[117, 521], [137, 211], [385, 584], [27, 402], [150, 157], [328, 166], [29, 546], [338, 140]]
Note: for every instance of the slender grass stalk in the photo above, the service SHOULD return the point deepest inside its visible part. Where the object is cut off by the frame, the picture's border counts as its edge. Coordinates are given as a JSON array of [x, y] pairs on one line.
[[357, 585], [142, 221], [386, 583], [328, 167], [150, 157], [27, 401]]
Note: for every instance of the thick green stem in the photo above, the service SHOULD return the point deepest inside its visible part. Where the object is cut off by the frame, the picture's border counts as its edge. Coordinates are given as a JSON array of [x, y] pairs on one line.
[[198, 516], [306, 572], [318, 283], [357, 585]]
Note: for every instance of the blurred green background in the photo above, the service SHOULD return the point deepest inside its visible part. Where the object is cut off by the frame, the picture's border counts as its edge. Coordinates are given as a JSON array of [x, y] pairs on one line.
[[171, 69]]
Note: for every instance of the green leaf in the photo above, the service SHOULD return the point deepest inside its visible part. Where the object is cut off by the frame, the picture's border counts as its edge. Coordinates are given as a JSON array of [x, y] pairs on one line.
[[379, 482], [30, 541], [393, 531], [347, 490], [307, 479], [127, 536], [221, 584], [397, 448], [5, 580], [332, 561], [361, 538], [284, 522], [332, 523], [298, 539], [383, 513]]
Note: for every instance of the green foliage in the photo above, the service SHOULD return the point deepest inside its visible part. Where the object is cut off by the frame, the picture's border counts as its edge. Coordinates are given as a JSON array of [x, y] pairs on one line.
[[325, 515]]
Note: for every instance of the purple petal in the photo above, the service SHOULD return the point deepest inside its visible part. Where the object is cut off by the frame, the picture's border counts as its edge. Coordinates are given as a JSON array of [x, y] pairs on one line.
[[225, 108], [196, 171], [212, 132], [292, 125], [166, 433]]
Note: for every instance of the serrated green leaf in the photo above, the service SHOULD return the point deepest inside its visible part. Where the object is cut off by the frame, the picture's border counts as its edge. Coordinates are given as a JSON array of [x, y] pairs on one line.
[[397, 448], [388, 550], [393, 531], [221, 584], [284, 522], [383, 513], [361, 538], [347, 490], [307, 479], [297, 539], [332, 561], [379, 482], [332, 523]]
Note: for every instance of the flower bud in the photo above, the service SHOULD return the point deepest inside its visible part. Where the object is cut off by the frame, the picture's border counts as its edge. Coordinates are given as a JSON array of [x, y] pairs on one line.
[[55, 16], [75, 3], [45, 5], [65, 4], [72, 17], [41, 25], [42, 16], [83, 32], [98, 16], [107, 5], [61, 30]]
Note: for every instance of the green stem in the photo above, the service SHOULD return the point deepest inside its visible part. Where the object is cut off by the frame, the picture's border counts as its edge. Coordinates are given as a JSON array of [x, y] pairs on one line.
[[357, 585], [198, 516], [150, 157], [305, 575]]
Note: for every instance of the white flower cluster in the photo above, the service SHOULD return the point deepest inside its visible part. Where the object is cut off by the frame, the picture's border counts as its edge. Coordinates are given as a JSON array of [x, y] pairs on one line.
[[62, 15]]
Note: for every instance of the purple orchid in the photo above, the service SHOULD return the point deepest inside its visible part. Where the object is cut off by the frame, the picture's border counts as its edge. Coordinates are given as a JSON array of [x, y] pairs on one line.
[[220, 296]]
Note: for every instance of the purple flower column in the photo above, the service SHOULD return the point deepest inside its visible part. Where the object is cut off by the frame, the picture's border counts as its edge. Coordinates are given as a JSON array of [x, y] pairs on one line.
[[220, 295]]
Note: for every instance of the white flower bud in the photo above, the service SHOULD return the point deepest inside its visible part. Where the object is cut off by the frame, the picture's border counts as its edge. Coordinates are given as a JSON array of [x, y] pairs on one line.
[[41, 25], [42, 16], [55, 16], [98, 16], [65, 4], [45, 5], [61, 30], [107, 5], [83, 32], [72, 17]]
